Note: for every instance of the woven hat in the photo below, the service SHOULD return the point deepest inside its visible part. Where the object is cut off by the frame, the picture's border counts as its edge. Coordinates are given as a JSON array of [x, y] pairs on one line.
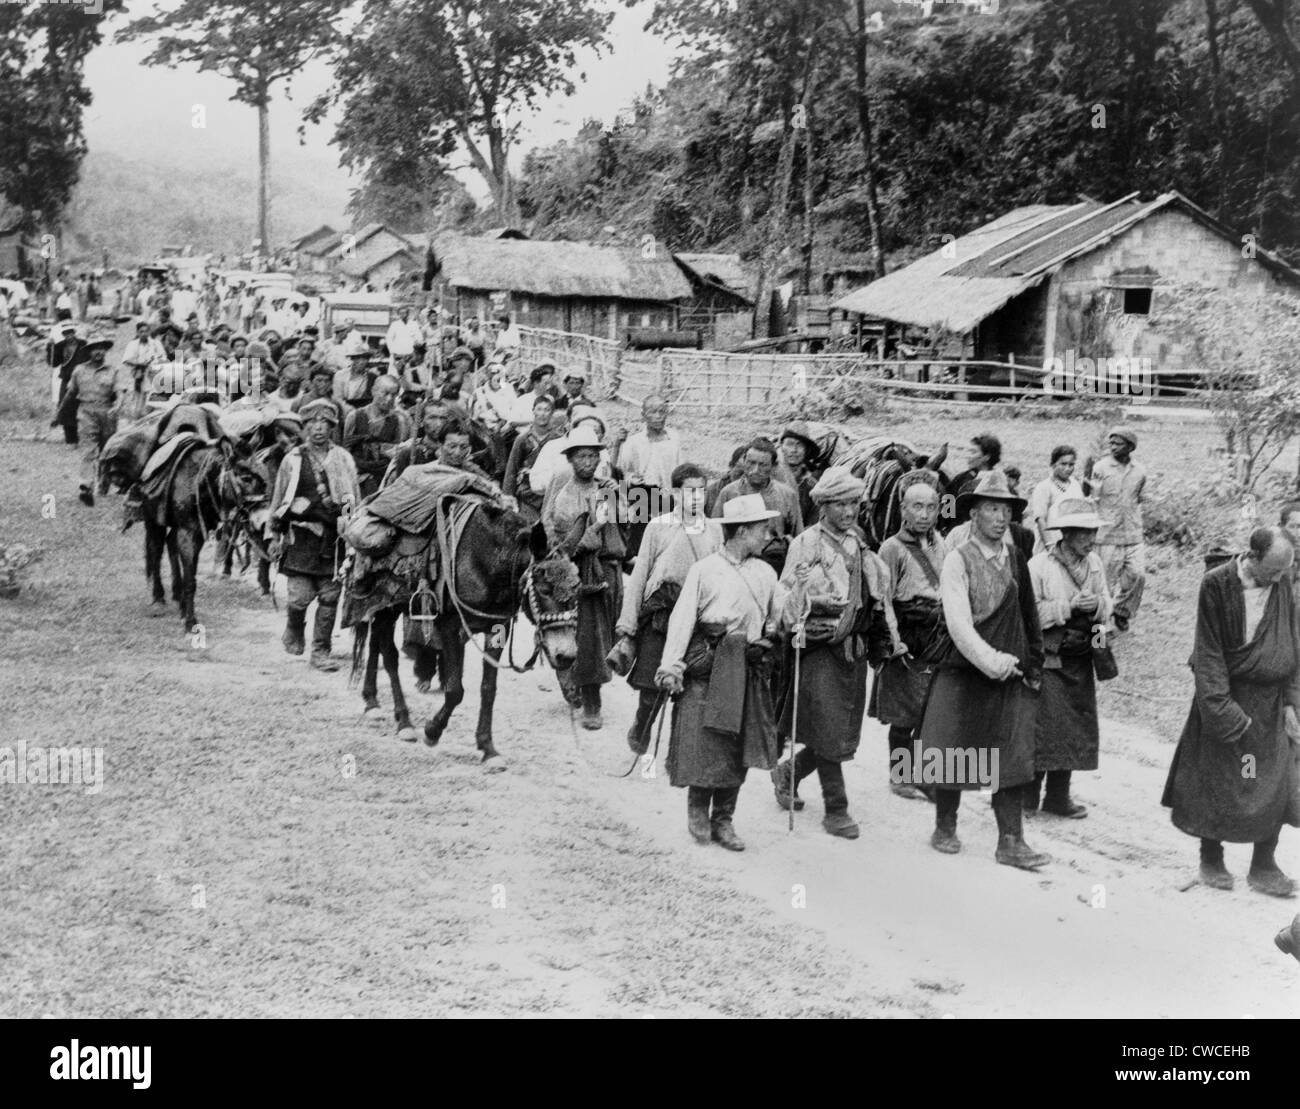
[[990, 486], [580, 438], [289, 420], [1074, 513], [748, 509], [97, 340], [320, 409], [1123, 431]]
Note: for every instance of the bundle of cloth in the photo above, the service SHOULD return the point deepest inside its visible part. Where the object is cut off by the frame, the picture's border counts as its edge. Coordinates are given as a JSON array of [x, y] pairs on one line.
[[127, 453]]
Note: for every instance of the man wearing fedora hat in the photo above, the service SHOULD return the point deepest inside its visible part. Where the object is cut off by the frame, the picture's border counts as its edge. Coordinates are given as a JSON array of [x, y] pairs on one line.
[[581, 517], [830, 570], [315, 487], [1074, 608], [985, 688], [1235, 774], [94, 388], [1117, 483], [716, 659]]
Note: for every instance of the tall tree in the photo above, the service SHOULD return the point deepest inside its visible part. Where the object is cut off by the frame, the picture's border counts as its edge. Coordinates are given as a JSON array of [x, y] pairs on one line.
[[256, 44], [43, 95], [421, 79]]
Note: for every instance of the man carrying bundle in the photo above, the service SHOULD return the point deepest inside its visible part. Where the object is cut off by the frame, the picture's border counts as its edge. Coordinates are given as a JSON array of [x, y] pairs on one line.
[[716, 661]]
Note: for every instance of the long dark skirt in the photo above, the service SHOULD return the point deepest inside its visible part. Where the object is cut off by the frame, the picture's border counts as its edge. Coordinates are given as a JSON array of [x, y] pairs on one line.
[[597, 614], [699, 756], [1212, 794], [1066, 735], [977, 717], [832, 702]]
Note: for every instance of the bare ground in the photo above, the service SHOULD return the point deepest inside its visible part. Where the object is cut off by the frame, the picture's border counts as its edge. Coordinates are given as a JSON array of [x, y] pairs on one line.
[[260, 849]]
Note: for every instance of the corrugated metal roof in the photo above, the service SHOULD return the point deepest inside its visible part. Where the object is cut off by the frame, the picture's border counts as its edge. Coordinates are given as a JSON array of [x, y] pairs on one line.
[[959, 285]]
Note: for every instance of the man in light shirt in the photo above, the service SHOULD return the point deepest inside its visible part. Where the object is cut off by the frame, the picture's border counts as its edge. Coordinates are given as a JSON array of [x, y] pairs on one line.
[[1060, 485], [402, 337], [1117, 485], [648, 458]]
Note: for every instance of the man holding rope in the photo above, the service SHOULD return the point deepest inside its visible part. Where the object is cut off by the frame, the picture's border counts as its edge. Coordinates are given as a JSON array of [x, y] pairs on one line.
[[671, 545]]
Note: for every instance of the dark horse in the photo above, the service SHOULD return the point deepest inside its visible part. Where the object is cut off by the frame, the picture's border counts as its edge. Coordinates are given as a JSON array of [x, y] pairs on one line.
[[205, 481], [882, 463], [498, 565]]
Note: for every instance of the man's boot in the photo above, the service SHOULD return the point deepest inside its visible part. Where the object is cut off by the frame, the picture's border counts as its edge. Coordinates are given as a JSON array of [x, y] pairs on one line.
[[1008, 807], [835, 797], [295, 631], [1288, 940], [1033, 793], [591, 708], [322, 636], [944, 839], [697, 814], [1265, 875], [1213, 873], [1057, 801], [724, 807]]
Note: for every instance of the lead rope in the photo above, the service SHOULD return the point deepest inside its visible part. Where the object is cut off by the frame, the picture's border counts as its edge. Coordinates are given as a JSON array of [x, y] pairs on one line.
[[648, 759]]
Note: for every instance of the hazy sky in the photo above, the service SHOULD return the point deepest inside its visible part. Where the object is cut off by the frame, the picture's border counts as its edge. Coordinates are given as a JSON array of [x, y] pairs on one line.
[[150, 113]]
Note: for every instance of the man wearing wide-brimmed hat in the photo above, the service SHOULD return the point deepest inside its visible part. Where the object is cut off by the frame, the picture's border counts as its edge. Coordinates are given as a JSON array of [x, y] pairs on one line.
[[315, 486], [1116, 485], [94, 387], [833, 579], [1074, 609], [978, 727], [65, 352], [715, 661], [581, 516]]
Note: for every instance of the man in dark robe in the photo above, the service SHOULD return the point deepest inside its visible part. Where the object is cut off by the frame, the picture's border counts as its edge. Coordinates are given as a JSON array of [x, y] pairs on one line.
[[1234, 772], [834, 586], [986, 687], [913, 559], [715, 663]]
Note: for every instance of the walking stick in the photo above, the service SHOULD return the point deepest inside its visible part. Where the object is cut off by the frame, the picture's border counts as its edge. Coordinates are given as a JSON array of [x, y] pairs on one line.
[[798, 641]]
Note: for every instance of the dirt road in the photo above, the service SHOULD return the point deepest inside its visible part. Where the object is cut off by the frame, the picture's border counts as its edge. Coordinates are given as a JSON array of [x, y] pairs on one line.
[[260, 849]]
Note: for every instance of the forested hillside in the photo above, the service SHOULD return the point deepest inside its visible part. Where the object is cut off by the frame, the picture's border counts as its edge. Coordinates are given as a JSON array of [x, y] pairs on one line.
[[969, 114]]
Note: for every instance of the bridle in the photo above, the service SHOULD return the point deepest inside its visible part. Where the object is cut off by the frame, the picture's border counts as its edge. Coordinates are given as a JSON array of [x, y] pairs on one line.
[[523, 590]]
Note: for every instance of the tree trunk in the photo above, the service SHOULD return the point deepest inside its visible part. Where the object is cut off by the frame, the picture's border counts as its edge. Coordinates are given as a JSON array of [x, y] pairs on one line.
[[1272, 16], [809, 165], [867, 138], [264, 175]]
